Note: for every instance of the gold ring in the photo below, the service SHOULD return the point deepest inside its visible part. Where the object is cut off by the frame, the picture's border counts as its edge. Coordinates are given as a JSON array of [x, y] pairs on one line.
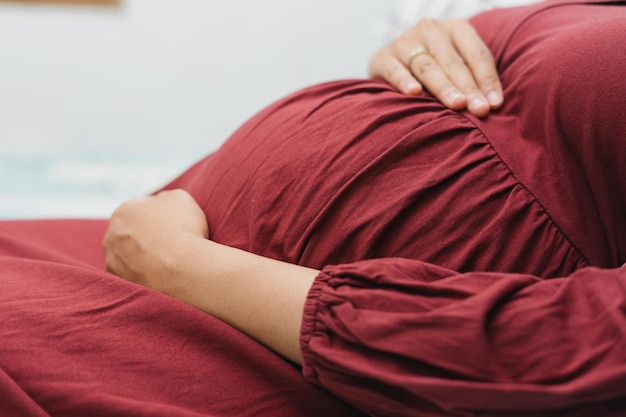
[[415, 53]]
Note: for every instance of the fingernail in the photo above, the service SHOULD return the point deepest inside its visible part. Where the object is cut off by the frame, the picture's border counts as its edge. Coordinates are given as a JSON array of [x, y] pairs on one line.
[[494, 98], [454, 96], [476, 103], [412, 87]]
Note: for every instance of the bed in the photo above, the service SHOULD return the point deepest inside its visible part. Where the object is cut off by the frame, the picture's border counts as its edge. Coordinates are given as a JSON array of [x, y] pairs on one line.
[[79, 341]]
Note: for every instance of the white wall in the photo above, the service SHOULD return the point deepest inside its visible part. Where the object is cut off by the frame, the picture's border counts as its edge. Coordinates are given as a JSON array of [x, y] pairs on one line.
[[167, 76], [99, 105]]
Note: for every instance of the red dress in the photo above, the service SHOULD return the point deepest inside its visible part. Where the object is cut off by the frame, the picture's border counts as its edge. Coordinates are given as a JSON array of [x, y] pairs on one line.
[[469, 267]]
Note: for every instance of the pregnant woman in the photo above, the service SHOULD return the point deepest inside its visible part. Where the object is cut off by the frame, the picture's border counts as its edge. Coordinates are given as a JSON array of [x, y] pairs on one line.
[[407, 257]]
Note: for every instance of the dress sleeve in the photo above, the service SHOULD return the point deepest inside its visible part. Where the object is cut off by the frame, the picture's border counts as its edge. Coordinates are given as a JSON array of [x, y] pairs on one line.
[[397, 337]]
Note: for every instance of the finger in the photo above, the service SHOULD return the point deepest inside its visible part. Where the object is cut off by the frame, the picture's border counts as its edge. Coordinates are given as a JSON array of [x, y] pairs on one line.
[[437, 82], [431, 76], [424, 66], [480, 61], [454, 67], [386, 66]]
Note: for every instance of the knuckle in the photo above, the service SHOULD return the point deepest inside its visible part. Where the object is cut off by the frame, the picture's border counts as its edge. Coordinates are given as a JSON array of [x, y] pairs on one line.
[[427, 67], [489, 82], [454, 22], [405, 41], [453, 64], [455, 25], [471, 90], [404, 37], [458, 21], [484, 54], [428, 22], [394, 74]]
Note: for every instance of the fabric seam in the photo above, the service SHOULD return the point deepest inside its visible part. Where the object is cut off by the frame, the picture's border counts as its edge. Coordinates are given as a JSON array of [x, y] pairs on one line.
[[527, 190]]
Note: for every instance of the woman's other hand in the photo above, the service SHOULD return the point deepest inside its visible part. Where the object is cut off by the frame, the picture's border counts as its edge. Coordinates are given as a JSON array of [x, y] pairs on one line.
[[447, 58], [145, 235], [161, 242]]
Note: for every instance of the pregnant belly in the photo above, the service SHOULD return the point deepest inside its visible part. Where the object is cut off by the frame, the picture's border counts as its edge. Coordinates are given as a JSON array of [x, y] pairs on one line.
[[352, 170]]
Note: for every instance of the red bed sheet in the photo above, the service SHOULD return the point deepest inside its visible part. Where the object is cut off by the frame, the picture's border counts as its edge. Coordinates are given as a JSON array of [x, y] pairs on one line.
[[78, 341], [351, 171]]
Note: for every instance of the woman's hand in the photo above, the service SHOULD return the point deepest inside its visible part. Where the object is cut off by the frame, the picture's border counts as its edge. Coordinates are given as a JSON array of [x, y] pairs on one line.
[[143, 241], [161, 242], [448, 59]]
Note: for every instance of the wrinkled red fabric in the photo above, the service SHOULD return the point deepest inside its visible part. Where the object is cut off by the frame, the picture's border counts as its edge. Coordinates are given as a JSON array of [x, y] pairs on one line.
[[77, 341], [405, 338], [469, 267]]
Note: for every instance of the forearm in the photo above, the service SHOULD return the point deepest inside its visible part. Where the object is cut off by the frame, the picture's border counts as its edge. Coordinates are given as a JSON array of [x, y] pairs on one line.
[[261, 297]]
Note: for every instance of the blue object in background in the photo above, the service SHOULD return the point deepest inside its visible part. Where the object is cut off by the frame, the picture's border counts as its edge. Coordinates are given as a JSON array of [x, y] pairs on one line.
[[79, 185]]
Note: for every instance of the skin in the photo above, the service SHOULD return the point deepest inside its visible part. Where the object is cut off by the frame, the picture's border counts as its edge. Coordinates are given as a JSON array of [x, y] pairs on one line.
[[458, 69], [262, 297]]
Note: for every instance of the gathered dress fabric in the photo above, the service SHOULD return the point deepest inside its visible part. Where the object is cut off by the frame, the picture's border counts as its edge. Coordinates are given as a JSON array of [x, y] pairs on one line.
[[469, 267]]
